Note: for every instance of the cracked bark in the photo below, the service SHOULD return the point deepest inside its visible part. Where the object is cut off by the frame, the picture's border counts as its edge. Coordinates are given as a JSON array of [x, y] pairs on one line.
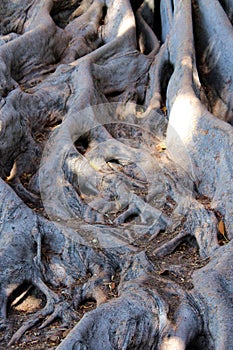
[[90, 90]]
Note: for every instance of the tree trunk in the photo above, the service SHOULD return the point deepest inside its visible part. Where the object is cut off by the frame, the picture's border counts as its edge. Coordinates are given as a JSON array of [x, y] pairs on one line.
[[116, 171]]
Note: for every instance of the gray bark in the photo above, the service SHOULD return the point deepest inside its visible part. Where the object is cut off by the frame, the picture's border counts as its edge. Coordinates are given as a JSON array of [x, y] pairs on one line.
[[116, 148]]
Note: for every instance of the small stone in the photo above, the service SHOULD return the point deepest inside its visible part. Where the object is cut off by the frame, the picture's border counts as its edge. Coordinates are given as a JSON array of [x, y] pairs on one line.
[[54, 338]]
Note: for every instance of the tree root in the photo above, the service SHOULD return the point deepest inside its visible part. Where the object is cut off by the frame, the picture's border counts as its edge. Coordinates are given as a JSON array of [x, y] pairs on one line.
[[117, 178]]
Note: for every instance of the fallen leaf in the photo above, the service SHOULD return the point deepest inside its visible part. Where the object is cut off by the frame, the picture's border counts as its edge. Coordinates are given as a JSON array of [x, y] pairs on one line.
[[161, 147], [65, 333], [112, 286], [164, 110], [221, 228]]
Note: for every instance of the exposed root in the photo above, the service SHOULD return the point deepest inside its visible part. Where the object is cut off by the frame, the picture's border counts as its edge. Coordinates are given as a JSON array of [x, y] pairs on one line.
[[116, 179], [51, 309]]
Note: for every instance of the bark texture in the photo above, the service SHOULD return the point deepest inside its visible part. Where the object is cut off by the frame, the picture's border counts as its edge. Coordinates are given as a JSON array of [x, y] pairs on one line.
[[116, 148]]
